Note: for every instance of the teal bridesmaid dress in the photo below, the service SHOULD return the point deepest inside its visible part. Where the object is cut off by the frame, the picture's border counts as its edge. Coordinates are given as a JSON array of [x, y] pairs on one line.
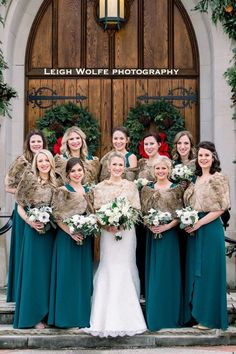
[[205, 287], [17, 233], [32, 300], [71, 281], [163, 281]]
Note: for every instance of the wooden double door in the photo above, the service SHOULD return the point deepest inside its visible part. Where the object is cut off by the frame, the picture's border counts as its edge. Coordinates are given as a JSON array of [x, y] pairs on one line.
[[157, 35]]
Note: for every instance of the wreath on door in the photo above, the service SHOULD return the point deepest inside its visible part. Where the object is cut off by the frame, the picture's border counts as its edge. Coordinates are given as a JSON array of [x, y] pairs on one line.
[[160, 117], [56, 120]]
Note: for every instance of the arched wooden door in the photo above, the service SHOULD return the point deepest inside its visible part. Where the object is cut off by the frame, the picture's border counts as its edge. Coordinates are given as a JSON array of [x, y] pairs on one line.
[[158, 34]]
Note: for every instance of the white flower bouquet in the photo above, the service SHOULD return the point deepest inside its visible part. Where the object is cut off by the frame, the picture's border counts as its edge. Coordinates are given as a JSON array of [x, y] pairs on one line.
[[156, 218], [86, 225], [118, 213], [188, 217], [181, 173], [42, 214], [141, 182]]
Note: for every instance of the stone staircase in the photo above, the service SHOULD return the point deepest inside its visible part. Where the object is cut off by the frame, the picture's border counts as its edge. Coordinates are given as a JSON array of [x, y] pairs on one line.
[[52, 338]]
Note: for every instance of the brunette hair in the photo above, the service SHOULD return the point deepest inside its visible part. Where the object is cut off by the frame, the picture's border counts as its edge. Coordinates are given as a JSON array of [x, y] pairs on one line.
[[52, 175], [215, 167], [72, 162], [156, 136], [121, 129], [192, 152], [64, 143], [29, 155]]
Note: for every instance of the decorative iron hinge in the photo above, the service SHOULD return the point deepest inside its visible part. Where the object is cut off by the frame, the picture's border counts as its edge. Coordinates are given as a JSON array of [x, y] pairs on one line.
[[38, 97], [186, 96]]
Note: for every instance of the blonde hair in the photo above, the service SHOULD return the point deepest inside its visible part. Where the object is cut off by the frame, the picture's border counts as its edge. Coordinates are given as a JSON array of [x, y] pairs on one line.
[[166, 161], [64, 143], [192, 152], [52, 175], [115, 154]]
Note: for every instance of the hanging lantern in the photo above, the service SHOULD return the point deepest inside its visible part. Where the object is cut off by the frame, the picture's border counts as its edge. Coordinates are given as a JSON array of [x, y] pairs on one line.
[[111, 14]]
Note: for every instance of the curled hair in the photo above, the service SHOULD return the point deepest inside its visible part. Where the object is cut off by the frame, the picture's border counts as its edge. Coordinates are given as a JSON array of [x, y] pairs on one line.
[[156, 136], [29, 155], [64, 143], [72, 162], [121, 129], [192, 152], [166, 161], [115, 154], [52, 175], [215, 167]]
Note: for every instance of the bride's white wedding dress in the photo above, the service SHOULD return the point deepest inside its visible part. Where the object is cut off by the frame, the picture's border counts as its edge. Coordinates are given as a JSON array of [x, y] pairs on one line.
[[116, 310]]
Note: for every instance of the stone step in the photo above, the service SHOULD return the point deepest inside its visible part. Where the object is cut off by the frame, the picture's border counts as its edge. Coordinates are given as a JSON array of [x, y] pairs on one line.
[[52, 338]]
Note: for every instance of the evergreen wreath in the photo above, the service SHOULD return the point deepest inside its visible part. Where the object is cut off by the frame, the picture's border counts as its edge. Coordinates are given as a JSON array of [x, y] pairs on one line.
[[56, 120], [159, 116]]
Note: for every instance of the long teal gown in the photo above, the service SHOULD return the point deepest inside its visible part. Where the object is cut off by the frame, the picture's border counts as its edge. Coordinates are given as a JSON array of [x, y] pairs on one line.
[[17, 233], [163, 288], [205, 287], [71, 281], [32, 300]]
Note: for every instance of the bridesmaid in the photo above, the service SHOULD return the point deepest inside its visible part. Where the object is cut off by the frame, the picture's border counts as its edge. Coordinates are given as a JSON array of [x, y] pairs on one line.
[[152, 143], [163, 277], [32, 299], [34, 142], [184, 151], [71, 281], [120, 141], [205, 289], [74, 145]]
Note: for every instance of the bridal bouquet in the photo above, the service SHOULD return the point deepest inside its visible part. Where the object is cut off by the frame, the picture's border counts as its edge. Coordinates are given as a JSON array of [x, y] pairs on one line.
[[86, 225], [42, 214], [181, 173], [188, 217], [118, 213], [141, 182], [156, 218]]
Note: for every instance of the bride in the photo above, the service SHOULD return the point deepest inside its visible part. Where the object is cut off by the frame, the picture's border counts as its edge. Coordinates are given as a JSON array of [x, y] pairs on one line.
[[116, 309]]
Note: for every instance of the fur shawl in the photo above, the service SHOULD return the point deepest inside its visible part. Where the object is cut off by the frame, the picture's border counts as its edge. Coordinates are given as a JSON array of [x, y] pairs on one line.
[[106, 191], [16, 171], [91, 169], [66, 204], [32, 192], [145, 170], [162, 199], [211, 195]]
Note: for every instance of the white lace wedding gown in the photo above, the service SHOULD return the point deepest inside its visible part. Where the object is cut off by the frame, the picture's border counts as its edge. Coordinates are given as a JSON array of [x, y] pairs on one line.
[[116, 310]]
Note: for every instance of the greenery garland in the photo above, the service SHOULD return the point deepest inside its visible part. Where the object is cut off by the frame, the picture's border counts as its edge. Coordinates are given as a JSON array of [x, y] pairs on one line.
[[160, 115], [56, 120]]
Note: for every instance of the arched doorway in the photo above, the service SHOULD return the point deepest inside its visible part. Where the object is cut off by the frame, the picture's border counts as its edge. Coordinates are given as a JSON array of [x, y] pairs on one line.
[[158, 35]]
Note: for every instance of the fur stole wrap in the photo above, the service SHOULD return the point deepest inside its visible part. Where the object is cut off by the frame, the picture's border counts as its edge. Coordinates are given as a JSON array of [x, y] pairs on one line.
[[32, 191], [106, 191], [211, 195], [145, 170], [16, 171], [66, 204], [162, 199], [91, 169]]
